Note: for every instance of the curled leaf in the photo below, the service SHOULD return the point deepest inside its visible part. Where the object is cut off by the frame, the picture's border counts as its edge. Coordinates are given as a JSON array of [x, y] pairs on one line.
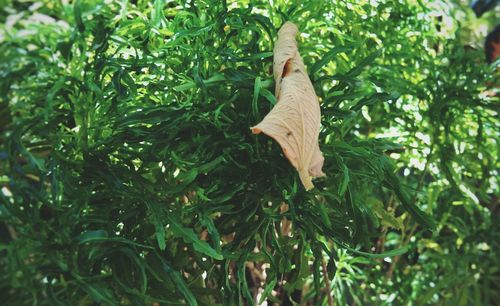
[[295, 120]]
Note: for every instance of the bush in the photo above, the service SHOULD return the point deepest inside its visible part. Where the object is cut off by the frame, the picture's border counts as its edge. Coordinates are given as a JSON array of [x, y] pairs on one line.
[[130, 175]]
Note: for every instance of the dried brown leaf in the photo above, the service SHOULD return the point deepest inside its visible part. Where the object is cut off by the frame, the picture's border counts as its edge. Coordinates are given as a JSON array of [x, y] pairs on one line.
[[294, 122]]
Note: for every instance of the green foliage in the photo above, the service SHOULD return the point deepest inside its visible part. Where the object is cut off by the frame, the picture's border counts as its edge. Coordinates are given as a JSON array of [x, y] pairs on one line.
[[129, 174]]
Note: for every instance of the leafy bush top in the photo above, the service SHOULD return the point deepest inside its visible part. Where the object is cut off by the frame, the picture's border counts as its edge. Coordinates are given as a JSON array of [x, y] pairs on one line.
[[130, 175]]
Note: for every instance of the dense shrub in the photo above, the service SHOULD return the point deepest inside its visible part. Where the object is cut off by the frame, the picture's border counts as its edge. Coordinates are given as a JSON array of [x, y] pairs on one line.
[[129, 174]]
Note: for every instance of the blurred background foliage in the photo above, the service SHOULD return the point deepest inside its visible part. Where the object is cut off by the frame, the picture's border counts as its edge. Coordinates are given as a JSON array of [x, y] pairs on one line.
[[129, 175]]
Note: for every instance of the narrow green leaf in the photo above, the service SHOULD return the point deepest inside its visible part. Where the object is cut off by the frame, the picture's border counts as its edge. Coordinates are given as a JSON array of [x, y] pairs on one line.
[[178, 281], [268, 95], [212, 230], [92, 236], [345, 179], [365, 62], [327, 57], [212, 81], [102, 236], [188, 235], [267, 290], [156, 217], [255, 106]]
